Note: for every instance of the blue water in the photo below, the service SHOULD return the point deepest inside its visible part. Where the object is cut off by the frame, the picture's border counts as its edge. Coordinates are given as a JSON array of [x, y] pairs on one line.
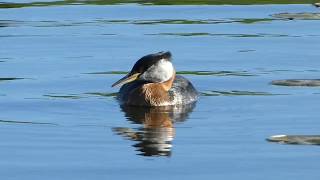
[[60, 119]]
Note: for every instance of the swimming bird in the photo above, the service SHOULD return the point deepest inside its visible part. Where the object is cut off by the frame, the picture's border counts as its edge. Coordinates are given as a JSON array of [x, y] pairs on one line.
[[152, 81]]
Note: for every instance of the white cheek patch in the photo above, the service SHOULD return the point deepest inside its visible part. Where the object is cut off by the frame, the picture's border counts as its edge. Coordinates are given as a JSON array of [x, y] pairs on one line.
[[160, 72]]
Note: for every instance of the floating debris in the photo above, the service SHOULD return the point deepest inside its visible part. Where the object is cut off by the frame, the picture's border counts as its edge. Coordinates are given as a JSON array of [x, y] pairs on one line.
[[297, 82], [298, 16], [296, 139]]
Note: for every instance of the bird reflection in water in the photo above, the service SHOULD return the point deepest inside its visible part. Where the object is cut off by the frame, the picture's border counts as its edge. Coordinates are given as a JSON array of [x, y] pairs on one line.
[[155, 136]]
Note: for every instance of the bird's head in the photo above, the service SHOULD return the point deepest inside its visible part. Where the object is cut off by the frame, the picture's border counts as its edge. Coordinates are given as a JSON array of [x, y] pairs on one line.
[[153, 68]]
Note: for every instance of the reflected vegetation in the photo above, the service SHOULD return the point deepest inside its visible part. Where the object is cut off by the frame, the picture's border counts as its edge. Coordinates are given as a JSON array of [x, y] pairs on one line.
[[80, 96], [199, 21], [109, 72], [69, 96], [200, 73], [177, 21], [297, 82], [98, 22], [150, 2], [25, 122], [157, 131], [237, 93], [296, 139], [224, 35], [254, 20], [103, 94], [216, 73]]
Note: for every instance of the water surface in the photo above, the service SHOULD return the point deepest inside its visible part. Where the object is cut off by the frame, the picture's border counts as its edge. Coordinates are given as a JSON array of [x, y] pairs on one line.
[[60, 119]]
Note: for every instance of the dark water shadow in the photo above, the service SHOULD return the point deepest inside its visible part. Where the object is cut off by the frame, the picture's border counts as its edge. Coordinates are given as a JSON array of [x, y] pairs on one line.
[[157, 131], [21, 36], [8, 23], [10, 79], [296, 139], [297, 82]]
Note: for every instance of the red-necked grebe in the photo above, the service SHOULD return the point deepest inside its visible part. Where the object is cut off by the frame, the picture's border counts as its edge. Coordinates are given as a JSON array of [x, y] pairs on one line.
[[153, 82]]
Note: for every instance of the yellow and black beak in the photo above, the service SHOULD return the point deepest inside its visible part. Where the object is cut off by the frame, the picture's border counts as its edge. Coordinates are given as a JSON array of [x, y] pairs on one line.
[[128, 78]]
